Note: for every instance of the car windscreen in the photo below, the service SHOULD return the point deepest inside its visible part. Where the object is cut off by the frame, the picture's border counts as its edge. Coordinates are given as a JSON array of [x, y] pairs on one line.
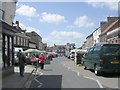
[[111, 50]]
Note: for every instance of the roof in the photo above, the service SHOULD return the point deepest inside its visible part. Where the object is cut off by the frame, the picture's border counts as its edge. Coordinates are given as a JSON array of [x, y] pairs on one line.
[[110, 26], [89, 36]]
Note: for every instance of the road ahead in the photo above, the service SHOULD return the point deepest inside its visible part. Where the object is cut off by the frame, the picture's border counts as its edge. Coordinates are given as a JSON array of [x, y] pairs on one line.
[[58, 75]]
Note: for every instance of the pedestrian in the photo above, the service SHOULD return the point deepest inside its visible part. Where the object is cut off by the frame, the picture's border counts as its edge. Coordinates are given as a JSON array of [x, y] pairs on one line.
[[51, 56], [42, 60], [21, 62]]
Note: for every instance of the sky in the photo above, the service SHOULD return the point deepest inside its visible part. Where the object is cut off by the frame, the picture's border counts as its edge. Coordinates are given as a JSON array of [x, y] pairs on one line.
[[63, 22]]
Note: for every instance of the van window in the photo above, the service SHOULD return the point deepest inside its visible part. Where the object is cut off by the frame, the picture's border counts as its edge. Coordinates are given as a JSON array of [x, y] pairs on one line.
[[90, 50], [97, 49], [114, 50]]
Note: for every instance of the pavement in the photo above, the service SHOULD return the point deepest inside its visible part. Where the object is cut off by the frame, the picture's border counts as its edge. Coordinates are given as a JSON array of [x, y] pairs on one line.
[[15, 81]]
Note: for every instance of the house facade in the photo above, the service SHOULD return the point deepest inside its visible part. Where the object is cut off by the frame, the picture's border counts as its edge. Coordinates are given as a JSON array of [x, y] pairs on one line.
[[96, 38], [89, 41], [113, 37], [7, 13], [112, 24], [20, 38]]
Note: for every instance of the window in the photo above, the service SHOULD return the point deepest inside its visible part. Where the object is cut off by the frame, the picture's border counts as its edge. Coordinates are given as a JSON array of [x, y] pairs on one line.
[[90, 50], [116, 41], [18, 40], [21, 40], [97, 49], [1, 14], [111, 49], [15, 40], [26, 42]]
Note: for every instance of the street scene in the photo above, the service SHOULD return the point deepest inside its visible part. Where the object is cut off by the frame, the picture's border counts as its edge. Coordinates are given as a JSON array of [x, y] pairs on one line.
[[60, 44], [64, 74]]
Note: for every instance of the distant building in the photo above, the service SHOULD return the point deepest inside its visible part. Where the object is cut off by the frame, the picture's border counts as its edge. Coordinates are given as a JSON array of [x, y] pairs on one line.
[[20, 38], [69, 47], [36, 38], [89, 41], [84, 45], [44, 46], [60, 49]]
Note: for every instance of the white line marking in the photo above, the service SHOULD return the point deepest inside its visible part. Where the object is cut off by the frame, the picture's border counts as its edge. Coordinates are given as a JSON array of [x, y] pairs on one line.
[[78, 73], [40, 84], [100, 85], [39, 74], [68, 68]]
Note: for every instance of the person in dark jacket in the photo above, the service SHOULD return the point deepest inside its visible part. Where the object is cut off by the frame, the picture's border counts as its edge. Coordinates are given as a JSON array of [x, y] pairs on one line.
[[21, 62]]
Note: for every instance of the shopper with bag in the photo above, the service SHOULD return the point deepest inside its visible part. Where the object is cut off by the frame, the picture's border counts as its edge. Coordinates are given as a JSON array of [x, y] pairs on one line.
[[42, 60], [21, 63]]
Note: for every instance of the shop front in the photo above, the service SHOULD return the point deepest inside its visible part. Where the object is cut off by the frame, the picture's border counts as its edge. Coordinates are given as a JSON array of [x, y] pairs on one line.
[[7, 49]]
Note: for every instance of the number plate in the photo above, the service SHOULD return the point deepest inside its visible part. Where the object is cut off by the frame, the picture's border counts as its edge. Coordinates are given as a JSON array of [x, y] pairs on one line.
[[115, 62]]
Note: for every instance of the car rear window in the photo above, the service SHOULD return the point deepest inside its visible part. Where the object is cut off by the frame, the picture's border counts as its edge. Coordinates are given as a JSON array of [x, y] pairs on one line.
[[111, 49]]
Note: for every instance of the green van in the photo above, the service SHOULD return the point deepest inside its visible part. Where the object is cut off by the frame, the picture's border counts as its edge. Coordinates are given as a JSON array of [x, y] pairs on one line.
[[103, 58]]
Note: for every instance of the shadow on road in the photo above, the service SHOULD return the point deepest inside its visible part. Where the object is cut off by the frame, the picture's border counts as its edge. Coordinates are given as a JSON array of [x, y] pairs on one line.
[[15, 81], [107, 75], [48, 70], [48, 81], [111, 75], [47, 61]]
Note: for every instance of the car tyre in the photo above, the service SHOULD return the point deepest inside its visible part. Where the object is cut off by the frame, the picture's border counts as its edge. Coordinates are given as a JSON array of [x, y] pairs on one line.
[[85, 68], [97, 73]]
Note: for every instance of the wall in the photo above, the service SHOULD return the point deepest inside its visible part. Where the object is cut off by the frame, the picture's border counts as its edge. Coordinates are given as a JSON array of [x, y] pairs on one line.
[[9, 8], [96, 38]]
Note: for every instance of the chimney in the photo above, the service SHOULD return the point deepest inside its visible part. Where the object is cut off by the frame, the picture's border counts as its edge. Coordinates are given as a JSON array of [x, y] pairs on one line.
[[103, 25], [17, 22], [112, 19]]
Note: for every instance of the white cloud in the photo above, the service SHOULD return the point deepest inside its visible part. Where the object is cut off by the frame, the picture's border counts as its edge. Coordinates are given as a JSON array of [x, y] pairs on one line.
[[63, 37], [65, 34], [110, 5], [27, 11], [83, 21], [52, 18], [29, 28]]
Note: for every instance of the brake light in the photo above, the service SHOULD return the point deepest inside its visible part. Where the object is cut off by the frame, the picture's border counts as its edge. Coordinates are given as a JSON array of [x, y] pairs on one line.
[[101, 61]]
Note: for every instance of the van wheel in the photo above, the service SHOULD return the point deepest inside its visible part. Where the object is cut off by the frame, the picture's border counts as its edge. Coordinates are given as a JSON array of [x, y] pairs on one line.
[[96, 71], [85, 68]]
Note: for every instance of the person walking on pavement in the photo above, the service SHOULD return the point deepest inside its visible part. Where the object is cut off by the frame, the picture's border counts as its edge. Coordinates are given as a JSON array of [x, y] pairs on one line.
[[51, 56], [42, 59], [21, 62]]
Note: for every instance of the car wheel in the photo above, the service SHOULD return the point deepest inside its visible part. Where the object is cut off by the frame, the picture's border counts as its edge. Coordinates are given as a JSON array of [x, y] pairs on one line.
[[96, 71], [85, 68]]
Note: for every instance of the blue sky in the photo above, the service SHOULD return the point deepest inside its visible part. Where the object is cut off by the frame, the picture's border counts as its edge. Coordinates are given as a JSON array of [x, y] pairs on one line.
[[63, 22]]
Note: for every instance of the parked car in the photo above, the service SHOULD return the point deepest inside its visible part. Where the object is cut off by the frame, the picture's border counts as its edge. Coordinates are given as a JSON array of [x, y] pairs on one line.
[[103, 58], [72, 54]]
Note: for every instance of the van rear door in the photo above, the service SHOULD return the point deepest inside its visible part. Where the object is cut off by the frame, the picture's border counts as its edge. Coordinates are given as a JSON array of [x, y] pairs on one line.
[[111, 56]]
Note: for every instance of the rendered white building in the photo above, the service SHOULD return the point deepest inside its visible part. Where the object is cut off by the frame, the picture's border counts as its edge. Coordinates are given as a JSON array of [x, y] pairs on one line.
[[96, 38], [7, 10]]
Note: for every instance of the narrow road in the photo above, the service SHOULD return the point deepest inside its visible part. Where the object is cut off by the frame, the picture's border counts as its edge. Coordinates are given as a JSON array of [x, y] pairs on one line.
[[57, 75]]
